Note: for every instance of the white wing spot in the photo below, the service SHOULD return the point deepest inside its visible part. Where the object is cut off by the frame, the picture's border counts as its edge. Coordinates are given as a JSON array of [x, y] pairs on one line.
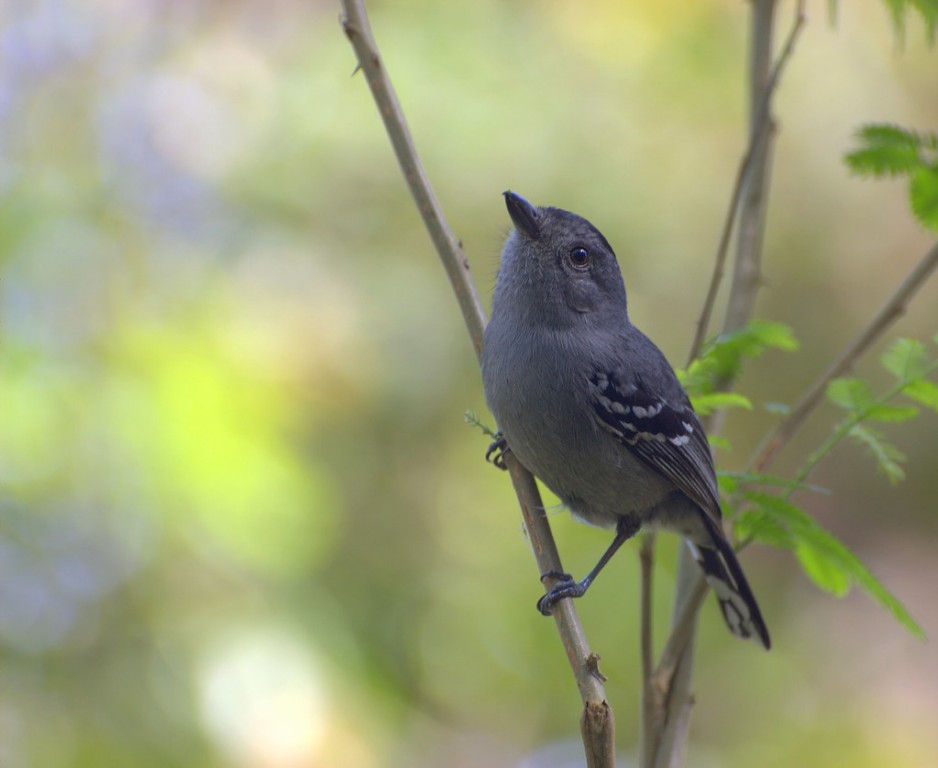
[[647, 413]]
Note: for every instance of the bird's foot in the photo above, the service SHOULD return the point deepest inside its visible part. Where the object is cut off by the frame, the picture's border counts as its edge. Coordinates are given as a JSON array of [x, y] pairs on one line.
[[565, 586], [497, 451]]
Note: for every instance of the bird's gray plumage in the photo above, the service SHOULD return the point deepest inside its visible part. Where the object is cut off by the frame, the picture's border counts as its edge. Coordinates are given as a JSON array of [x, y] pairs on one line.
[[591, 406]]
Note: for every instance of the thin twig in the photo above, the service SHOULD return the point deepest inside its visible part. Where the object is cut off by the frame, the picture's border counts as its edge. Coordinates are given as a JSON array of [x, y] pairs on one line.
[[652, 705], [895, 306], [845, 428], [680, 635], [582, 660], [752, 202], [597, 721], [763, 124], [647, 559], [358, 30], [747, 266], [675, 682]]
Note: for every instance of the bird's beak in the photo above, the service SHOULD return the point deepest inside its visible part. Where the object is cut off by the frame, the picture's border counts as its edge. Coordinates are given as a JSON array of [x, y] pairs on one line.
[[523, 214]]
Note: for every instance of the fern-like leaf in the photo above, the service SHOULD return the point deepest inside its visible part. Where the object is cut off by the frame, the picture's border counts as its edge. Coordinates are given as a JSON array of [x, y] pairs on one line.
[[887, 455], [923, 195], [889, 150], [827, 561]]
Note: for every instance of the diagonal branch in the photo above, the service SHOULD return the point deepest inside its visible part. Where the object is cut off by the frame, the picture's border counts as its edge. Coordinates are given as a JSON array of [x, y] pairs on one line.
[[358, 30], [763, 125], [895, 306], [597, 723], [681, 634]]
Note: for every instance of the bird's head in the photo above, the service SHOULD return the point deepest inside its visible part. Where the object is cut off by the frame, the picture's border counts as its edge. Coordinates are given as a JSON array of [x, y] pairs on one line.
[[560, 265]]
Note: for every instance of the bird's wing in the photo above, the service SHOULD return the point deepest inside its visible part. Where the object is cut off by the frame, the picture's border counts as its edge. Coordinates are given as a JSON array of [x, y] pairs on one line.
[[667, 436]]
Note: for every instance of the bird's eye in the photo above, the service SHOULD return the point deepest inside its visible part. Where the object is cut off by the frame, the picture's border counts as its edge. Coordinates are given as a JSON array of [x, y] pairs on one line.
[[579, 256]]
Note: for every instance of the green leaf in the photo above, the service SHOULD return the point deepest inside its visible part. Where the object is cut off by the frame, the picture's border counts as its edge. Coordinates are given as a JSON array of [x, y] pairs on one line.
[[885, 134], [822, 569], [715, 401], [719, 443], [851, 394], [797, 524], [905, 359], [887, 456], [721, 360], [875, 589], [885, 150], [923, 391], [888, 150], [890, 413], [728, 482], [928, 10], [923, 194], [887, 160], [771, 334], [826, 559], [756, 525], [751, 480]]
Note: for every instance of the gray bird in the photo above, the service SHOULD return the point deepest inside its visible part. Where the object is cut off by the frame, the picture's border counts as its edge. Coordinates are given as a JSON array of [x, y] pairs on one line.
[[590, 405]]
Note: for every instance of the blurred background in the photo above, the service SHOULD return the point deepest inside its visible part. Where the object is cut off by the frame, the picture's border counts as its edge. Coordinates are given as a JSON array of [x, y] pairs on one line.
[[242, 520]]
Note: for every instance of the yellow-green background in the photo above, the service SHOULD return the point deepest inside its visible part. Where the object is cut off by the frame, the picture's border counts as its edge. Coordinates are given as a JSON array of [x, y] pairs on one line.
[[242, 522]]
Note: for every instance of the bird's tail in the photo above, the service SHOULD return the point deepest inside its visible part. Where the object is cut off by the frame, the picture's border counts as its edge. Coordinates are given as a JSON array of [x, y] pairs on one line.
[[728, 582]]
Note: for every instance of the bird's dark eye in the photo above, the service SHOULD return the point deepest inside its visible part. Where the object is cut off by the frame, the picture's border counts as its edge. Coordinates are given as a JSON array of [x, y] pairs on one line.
[[579, 256]]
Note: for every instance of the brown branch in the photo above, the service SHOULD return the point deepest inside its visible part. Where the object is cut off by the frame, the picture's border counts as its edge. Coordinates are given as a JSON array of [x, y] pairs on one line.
[[597, 721], [582, 661], [895, 306], [598, 732], [763, 125], [358, 30]]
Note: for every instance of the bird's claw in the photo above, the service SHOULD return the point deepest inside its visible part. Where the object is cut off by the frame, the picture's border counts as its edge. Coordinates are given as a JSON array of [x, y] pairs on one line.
[[497, 450], [565, 586]]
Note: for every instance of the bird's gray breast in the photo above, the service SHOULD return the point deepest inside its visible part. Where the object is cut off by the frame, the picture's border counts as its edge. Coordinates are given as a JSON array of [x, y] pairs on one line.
[[541, 399]]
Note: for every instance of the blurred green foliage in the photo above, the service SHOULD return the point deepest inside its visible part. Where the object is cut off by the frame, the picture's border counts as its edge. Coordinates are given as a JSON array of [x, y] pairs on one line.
[[887, 150], [241, 520]]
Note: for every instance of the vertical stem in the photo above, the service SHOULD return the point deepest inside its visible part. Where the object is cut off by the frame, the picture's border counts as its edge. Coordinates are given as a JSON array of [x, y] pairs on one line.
[[672, 749], [747, 275], [652, 705], [747, 270]]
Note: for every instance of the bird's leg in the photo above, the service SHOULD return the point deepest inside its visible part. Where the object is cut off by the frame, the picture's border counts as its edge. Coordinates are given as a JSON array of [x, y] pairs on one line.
[[626, 528], [497, 450]]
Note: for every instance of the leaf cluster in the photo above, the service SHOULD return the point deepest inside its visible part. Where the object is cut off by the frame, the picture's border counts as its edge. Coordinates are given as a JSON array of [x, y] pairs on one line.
[[891, 151], [909, 362], [761, 506], [721, 361], [926, 9]]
